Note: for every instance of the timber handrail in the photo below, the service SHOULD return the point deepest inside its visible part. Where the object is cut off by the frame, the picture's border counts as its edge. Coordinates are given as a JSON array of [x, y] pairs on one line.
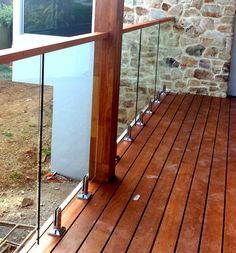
[[18, 53], [133, 27]]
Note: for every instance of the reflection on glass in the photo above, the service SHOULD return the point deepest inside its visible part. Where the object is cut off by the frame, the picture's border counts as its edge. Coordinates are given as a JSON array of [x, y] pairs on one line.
[[19, 100], [148, 60], [128, 79], [57, 17], [170, 71], [66, 124]]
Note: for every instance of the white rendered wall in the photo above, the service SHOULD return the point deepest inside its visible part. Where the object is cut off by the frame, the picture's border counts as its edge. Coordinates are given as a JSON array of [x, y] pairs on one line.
[[70, 72]]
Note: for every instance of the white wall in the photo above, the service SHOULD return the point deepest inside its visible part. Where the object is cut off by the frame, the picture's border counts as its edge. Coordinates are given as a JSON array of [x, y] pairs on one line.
[[70, 72]]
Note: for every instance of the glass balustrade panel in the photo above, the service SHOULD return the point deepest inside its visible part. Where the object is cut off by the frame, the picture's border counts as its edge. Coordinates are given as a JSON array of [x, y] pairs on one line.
[[19, 150]]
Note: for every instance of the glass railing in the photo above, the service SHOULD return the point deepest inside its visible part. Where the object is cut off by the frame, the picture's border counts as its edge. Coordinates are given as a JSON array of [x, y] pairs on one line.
[[46, 121], [128, 79], [45, 125], [142, 74], [19, 150], [67, 108]]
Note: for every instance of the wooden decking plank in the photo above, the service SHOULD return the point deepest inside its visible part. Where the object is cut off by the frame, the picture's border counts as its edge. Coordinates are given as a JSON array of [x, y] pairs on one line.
[[168, 232], [124, 230], [193, 217], [75, 235], [211, 240], [118, 203], [229, 244]]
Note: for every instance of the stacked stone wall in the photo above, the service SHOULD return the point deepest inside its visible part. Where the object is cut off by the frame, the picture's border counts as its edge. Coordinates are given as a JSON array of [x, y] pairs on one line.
[[194, 54]]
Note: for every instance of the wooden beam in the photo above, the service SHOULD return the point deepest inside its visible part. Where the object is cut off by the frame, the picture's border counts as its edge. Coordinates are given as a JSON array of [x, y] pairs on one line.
[[133, 27], [108, 18], [22, 52]]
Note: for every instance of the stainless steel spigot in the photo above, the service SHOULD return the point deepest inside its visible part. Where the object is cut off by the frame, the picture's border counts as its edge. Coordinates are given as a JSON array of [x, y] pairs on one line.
[[84, 194], [157, 98], [57, 229], [128, 136], [149, 109], [140, 121], [164, 92]]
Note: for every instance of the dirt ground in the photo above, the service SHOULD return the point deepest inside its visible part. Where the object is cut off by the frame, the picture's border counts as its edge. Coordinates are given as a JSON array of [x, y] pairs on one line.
[[19, 127]]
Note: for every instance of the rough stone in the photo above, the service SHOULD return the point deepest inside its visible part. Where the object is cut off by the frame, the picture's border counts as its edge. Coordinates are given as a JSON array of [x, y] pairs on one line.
[[172, 63], [194, 82], [197, 3], [203, 74], [200, 90], [229, 10], [187, 41], [165, 6], [211, 52], [213, 38], [225, 28], [195, 50], [188, 62], [225, 55], [191, 12], [176, 10], [27, 202], [180, 84], [205, 63], [141, 11], [222, 78], [226, 67], [212, 10]]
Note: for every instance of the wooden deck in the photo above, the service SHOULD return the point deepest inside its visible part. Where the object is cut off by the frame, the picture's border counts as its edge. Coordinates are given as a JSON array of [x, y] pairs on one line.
[[175, 189]]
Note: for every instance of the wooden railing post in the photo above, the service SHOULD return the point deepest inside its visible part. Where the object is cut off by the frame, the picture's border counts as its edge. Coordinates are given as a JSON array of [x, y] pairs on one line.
[[108, 18]]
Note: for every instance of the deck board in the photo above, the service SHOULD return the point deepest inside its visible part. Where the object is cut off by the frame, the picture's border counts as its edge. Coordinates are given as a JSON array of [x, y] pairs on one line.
[[191, 229], [229, 243], [173, 215], [174, 190], [211, 240]]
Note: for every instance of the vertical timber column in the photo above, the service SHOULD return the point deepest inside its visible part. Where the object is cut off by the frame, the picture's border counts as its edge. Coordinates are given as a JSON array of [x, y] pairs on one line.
[[108, 18]]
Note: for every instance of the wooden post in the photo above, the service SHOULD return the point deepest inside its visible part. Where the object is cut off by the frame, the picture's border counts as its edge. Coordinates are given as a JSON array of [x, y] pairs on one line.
[[108, 18]]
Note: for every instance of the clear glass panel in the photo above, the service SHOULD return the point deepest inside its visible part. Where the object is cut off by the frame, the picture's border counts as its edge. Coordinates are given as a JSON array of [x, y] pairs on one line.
[[19, 128], [149, 56], [170, 69], [66, 123], [128, 79]]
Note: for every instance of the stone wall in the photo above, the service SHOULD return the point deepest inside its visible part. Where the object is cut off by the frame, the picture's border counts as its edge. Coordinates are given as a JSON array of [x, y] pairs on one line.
[[194, 53]]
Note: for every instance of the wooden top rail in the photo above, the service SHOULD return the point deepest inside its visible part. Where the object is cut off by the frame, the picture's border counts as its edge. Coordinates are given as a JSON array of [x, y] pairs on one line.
[[134, 27], [18, 53]]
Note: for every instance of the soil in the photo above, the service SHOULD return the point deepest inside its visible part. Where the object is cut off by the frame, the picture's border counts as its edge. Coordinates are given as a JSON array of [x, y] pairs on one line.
[[19, 128]]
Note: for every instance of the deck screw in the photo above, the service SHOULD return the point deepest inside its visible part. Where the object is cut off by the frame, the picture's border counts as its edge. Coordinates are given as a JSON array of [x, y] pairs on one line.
[[117, 158]]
